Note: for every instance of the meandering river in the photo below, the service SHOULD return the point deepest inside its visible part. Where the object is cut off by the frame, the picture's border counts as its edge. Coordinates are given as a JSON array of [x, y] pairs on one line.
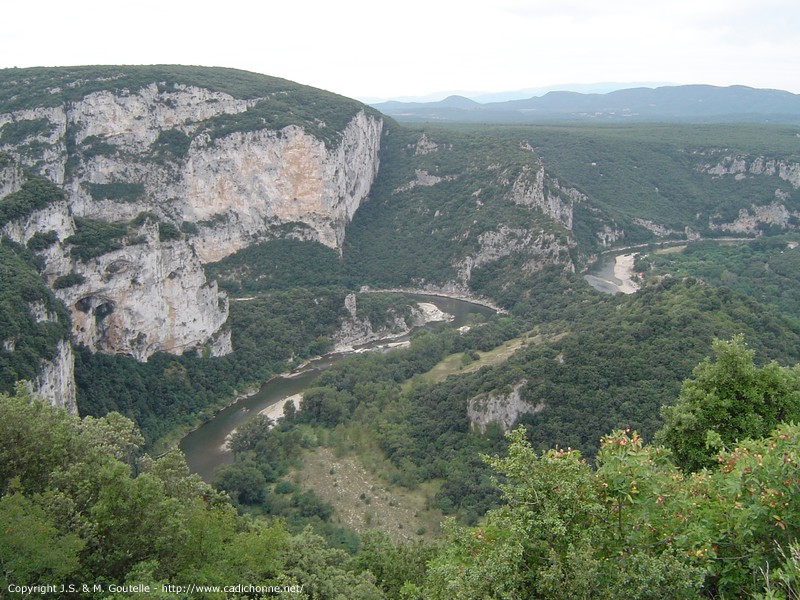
[[203, 447]]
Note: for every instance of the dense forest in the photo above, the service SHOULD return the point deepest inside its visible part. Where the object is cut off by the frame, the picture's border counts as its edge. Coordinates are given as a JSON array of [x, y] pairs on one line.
[[711, 511]]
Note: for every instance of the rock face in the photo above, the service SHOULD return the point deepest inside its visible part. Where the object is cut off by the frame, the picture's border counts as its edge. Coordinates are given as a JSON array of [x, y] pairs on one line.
[[56, 381], [357, 330], [203, 162], [741, 167], [750, 221], [775, 214], [503, 409], [248, 185], [553, 199], [146, 298]]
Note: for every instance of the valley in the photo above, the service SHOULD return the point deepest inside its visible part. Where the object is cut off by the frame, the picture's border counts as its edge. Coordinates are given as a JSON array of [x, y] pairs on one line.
[[183, 248]]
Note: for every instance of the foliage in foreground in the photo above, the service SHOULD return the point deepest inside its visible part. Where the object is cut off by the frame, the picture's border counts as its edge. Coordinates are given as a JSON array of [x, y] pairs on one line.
[[637, 527], [81, 503]]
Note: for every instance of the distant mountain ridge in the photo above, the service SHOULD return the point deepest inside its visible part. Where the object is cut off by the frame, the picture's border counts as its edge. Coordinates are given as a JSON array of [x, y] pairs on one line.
[[682, 103]]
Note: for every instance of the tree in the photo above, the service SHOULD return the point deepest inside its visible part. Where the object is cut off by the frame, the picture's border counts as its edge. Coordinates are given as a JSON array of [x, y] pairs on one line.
[[32, 549], [727, 400], [243, 481], [559, 534]]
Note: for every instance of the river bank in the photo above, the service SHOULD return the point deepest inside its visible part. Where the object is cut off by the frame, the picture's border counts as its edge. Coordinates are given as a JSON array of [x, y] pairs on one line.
[[478, 300], [623, 271], [616, 277], [203, 445]]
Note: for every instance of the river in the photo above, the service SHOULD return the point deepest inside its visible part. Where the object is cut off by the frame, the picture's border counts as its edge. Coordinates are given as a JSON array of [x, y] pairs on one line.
[[612, 274], [203, 447]]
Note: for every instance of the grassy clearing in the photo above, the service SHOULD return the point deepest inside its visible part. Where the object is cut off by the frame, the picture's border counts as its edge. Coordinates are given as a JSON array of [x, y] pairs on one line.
[[455, 363], [352, 474], [671, 249]]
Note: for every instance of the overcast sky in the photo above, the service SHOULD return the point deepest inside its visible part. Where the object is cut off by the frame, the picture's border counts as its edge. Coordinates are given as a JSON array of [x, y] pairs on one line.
[[371, 49]]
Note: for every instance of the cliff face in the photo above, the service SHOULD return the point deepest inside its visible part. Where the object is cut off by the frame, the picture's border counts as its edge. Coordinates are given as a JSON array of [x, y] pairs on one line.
[[162, 150], [501, 408], [222, 172], [776, 213], [251, 185], [56, 381], [146, 298]]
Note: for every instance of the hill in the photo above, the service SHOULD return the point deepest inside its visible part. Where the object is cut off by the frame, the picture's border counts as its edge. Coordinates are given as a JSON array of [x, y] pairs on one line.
[[685, 103]]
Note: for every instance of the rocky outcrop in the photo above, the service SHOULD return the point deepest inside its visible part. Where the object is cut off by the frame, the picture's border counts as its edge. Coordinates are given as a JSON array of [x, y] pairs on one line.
[[146, 298], [424, 179], [501, 408], [55, 382], [741, 167], [56, 218], [11, 177], [540, 248], [533, 188], [751, 221], [356, 330]]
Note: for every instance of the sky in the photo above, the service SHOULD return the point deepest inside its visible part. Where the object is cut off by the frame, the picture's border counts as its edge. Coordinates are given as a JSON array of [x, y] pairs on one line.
[[373, 50]]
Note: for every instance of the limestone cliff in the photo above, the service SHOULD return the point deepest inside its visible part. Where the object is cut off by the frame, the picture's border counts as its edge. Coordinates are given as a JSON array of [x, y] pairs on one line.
[[503, 408], [146, 298], [777, 213], [56, 381], [357, 330], [740, 167], [162, 150], [200, 159], [218, 163]]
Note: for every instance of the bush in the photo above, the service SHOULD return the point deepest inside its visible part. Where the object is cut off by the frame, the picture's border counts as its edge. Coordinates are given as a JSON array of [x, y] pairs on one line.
[[66, 281]]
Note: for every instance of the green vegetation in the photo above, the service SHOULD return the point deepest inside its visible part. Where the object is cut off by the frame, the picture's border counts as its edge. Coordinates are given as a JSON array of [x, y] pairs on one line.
[[36, 193], [172, 144], [411, 232], [764, 269], [629, 172], [24, 339], [118, 191], [753, 401], [167, 232], [69, 280], [16, 132], [93, 238], [81, 502], [635, 527], [652, 171], [278, 265], [92, 146], [41, 241]]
